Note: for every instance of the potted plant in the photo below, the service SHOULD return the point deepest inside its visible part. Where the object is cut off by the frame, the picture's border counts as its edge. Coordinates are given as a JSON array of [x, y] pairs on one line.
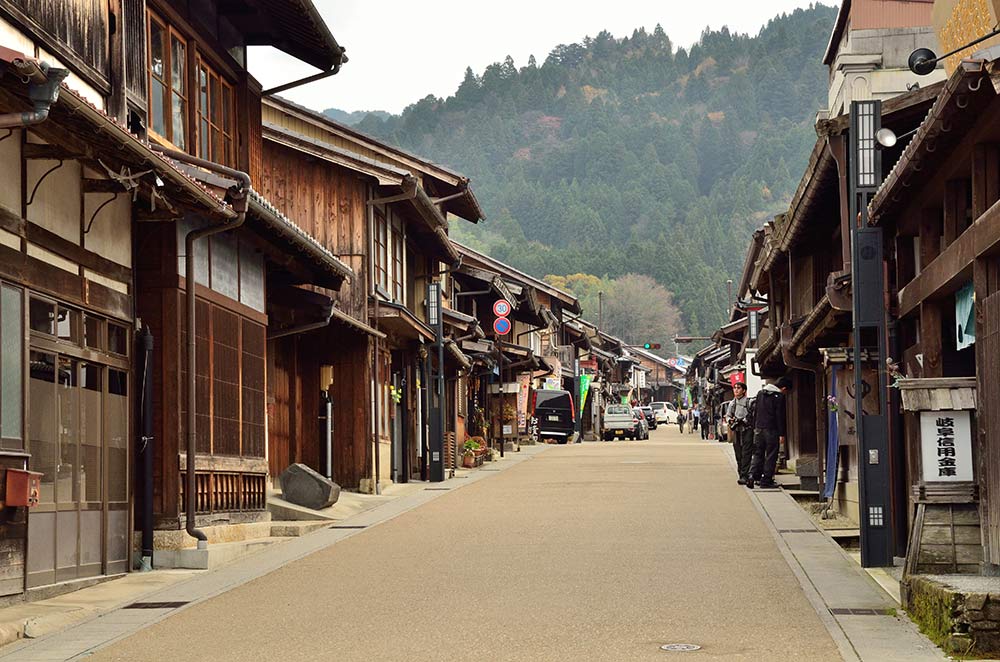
[[468, 459]]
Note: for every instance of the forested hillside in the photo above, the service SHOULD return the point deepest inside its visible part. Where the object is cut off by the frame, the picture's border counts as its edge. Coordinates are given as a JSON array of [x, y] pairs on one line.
[[628, 155]]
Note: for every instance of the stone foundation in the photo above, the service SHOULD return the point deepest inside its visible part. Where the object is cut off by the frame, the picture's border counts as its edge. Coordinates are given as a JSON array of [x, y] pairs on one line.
[[961, 614], [179, 539]]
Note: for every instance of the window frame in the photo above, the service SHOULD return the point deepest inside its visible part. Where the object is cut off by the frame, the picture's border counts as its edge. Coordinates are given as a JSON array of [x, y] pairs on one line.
[[214, 80], [172, 33]]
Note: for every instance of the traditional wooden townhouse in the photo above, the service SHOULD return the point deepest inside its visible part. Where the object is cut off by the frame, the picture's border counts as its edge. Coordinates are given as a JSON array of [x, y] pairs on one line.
[[129, 132], [535, 351], [385, 213], [938, 207]]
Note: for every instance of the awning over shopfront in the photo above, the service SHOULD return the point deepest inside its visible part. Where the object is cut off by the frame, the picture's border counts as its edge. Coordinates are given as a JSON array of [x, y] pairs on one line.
[[293, 310], [399, 321]]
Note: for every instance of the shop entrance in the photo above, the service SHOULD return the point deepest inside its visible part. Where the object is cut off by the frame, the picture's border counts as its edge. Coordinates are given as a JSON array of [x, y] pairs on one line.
[[78, 432]]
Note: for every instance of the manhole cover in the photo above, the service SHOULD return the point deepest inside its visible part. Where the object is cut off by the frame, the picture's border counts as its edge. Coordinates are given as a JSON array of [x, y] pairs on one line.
[[680, 648]]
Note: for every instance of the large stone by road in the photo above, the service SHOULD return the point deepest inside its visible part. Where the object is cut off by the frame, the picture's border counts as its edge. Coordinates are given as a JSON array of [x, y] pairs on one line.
[[589, 552]]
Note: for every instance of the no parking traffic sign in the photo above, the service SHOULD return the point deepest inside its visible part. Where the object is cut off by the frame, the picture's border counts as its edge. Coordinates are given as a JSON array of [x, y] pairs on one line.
[[502, 326]]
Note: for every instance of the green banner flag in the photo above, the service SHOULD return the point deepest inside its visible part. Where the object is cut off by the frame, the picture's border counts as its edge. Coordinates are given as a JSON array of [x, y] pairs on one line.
[[585, 382]]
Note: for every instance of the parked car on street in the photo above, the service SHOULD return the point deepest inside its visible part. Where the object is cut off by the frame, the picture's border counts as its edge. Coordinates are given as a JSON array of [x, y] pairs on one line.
[[650, 416], [556, 415], [665, 412], [619, 421], [643, 423]]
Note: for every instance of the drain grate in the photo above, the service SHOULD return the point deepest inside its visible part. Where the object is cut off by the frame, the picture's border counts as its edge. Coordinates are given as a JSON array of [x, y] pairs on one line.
[[798, 530], [437, 489], [848, 611], [348, 526], [155, 605], [680, 648]]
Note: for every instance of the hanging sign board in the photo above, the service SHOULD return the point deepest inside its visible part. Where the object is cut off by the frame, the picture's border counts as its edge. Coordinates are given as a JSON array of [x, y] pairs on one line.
[[523, 385], [502, 326], [946, 446], [501, 308]]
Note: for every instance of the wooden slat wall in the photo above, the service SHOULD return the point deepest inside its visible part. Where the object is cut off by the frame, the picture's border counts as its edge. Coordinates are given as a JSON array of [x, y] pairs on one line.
[[328, 202]]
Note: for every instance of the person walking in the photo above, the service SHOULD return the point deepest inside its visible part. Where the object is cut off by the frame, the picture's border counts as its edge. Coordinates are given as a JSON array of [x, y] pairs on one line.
[[738, 419], [769, 432], [681, 418], [706, 423]]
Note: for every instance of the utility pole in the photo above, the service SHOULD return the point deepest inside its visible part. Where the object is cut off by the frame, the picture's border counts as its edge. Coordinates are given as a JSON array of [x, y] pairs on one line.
[[729, 311], [600, 310]]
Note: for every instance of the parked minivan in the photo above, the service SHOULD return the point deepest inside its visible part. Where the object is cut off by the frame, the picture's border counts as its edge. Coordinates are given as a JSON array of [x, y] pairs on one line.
[[555, 413]]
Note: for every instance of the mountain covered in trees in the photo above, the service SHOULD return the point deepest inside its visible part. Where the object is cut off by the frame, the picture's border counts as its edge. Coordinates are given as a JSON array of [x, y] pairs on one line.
[[630, 155]]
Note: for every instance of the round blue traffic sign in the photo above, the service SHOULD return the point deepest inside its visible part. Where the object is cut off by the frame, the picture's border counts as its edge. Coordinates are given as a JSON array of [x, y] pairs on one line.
[[502, 326]]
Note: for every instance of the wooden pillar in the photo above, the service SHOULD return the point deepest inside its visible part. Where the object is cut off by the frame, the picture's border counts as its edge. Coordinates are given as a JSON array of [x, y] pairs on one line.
[[930, 235], [986, 281], [838, 147], [985, 178], [930, 338], [956, 207]]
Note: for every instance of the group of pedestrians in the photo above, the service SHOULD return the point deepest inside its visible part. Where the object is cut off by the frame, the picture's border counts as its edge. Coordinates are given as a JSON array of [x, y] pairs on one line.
[[757, 429], [693, 419]]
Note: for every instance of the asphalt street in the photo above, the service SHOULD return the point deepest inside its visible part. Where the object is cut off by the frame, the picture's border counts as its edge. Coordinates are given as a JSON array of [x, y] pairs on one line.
[[597, 551]]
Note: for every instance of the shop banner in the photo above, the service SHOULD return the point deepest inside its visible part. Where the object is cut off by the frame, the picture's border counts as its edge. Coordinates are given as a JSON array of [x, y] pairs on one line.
[[585, 381], [523, 385]]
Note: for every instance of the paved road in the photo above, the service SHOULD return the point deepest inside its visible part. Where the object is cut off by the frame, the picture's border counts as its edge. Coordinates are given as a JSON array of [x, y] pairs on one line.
[[598, 551]]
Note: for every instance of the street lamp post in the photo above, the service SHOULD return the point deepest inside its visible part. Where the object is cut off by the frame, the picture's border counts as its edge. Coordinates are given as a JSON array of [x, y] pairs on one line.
[[436, 441]]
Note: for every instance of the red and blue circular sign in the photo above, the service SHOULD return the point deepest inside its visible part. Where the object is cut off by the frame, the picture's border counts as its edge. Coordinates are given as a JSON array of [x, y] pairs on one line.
[[502, 326], [501, 308]]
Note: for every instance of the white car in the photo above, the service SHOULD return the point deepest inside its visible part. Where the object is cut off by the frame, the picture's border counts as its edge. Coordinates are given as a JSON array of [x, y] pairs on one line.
[[665, 412]]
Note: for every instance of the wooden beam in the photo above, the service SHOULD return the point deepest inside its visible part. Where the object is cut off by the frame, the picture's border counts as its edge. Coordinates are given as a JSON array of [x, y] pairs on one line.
[[956, 196], [954, 266], [930, 339], [48, 152], [91, 185], [985, 178], [931, 229], [36, 234]]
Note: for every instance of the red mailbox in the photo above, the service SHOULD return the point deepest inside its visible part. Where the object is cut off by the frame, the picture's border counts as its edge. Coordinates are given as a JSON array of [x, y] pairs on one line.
[[23, 487]]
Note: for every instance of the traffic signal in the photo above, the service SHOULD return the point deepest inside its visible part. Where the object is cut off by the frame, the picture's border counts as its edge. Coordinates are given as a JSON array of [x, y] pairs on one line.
[[651, 345]]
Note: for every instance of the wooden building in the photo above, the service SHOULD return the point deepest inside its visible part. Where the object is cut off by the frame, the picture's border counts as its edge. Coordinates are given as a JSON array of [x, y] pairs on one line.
[[94, 221], [385, 212], [938, 207]]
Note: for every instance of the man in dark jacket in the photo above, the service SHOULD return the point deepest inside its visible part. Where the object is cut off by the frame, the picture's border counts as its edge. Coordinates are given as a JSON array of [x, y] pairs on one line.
[[769, 432]]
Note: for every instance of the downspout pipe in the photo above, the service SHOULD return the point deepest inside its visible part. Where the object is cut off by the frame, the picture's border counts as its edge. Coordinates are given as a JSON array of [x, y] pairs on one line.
[[43, 91], [237, 196], [146, 449]]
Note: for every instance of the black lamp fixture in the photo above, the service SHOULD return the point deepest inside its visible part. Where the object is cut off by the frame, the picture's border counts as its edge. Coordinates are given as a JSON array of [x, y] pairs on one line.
[[923, 60]]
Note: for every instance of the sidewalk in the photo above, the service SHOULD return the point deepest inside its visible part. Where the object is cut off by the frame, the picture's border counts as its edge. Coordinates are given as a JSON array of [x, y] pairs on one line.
[[861, 616], [75, 624]]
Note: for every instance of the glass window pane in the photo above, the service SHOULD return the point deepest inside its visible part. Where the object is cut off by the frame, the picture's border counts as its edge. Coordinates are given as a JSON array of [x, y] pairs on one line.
[[42, 316], [203, 91], [178, 55], [203, 140], [117, 339], [117, 435], [11, 363], [68, 394], [157, 37], [216, 102], [157, 118], [91, 432], [68, 324], [93, 336], [178, 122], [43, 421], [227, 109]]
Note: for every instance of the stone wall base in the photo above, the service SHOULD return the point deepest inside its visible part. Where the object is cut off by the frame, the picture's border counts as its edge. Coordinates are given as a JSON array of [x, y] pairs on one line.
[[960, 621]]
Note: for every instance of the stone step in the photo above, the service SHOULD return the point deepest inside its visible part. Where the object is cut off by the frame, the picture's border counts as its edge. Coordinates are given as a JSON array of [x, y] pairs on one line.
[[216, 555], [296, 529]]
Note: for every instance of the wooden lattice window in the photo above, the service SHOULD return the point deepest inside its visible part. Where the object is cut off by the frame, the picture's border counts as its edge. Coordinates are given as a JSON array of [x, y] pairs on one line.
[[215, 116], [168, 97]]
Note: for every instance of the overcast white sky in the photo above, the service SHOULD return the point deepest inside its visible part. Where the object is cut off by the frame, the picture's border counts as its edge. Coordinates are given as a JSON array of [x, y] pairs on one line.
[[401, 50]]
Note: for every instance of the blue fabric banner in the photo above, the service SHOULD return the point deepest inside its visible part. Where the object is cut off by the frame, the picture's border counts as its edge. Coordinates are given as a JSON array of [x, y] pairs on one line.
[[832, 439]]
